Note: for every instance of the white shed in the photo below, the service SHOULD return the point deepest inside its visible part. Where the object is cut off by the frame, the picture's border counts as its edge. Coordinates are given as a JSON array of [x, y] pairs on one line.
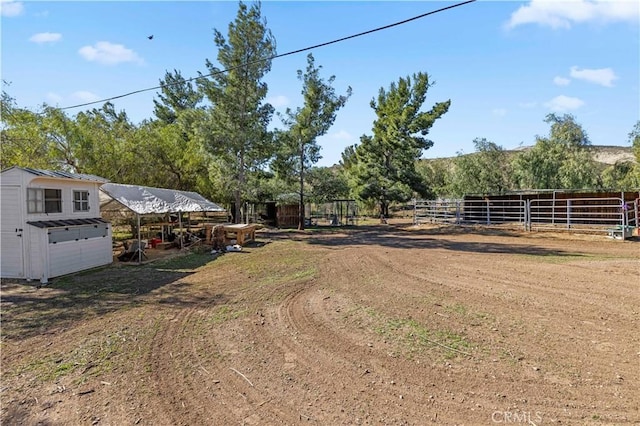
[[51, 224]]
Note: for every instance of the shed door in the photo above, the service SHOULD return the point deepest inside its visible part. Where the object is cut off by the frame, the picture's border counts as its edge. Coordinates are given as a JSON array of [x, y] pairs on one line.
[[11, 234]]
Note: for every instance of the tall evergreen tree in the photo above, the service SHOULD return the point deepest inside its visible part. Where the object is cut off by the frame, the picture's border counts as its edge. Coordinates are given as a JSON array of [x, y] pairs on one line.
[[236, 122], [299, 147], [385, 169], [178, 95]]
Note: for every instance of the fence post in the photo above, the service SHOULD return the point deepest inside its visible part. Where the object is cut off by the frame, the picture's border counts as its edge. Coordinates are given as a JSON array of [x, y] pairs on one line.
[[415, 206], [527, 215], [488, 213], [568, 214]]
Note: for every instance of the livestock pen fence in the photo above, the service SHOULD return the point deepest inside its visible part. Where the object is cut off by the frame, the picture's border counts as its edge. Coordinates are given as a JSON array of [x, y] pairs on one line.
[[612, 215]]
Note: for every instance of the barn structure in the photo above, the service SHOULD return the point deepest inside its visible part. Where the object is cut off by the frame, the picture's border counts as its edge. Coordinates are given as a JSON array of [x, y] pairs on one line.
[[286, 214], [51, 224]]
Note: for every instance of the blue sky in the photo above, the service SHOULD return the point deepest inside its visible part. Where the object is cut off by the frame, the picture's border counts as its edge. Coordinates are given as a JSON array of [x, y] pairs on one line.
[[503, 64]]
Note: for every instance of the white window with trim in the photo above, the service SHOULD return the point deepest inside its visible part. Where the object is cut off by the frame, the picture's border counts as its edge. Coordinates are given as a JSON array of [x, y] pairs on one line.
[[41, 200], [80, 201]]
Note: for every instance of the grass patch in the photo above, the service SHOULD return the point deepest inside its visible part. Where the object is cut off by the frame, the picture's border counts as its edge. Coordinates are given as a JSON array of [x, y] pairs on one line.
[[284, 262], [562, 258], [226, 313], [457, 308], [93, 357], [415, 337], [186, 263]]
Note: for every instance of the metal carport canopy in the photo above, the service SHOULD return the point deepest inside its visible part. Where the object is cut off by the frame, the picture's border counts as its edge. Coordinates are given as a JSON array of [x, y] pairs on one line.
[[148, 200]]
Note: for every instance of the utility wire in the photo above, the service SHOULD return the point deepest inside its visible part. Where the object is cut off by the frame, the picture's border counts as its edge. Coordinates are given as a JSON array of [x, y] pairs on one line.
[[293, 52]]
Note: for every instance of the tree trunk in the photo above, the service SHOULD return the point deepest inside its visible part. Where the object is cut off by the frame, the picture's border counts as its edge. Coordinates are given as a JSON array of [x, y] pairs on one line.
[[384, 212], [301, 201], [238, 191]]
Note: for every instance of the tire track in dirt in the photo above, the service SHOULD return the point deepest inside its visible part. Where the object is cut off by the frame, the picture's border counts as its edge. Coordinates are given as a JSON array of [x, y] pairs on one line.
[[319, 344], [335, 348], [172, 391], [192, 390], [535, 288], [522, 378], [544, 296]]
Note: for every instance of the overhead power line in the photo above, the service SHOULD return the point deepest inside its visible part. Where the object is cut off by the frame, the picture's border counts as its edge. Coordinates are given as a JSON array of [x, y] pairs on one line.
[[293, 52]]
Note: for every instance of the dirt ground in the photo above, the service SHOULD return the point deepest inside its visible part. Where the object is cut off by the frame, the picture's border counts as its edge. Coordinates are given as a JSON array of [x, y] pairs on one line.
[[384, 325]]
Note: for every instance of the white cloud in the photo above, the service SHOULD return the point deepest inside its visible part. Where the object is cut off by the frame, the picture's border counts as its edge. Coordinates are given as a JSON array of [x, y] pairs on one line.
[[340, 135], [45, 37], [107, 53], [11, 8], [54, 98], [564, 103], [278, 101], [80, 96], [602, 76], [561, 81], [563, 14], [84, 96], [499, 112], [528, 104]]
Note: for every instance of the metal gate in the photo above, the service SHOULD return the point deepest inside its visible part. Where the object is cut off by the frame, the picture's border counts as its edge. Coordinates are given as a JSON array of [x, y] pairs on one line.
[[587, 215]]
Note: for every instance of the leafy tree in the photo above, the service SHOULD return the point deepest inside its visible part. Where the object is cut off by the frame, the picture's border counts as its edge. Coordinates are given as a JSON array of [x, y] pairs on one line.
[[175, 150], [385, 170], [621, 175], [47, 139], [327, 184], [235, 126], [486, 171], [625, 174], [172, 160], [634, 140], [299, 147], [438, 175], [561, 161], [21, 141], [106, 146], [93, 142]]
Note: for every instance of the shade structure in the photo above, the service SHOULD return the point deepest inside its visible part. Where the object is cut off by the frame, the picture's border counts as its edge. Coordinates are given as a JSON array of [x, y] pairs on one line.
[[144, 200]]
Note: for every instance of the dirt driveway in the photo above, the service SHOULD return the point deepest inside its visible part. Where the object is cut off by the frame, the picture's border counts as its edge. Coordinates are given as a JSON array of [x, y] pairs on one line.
[[385, 325]]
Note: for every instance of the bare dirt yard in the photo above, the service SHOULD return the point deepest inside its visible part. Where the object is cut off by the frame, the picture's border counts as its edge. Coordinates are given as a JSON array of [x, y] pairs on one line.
[[385, 325]]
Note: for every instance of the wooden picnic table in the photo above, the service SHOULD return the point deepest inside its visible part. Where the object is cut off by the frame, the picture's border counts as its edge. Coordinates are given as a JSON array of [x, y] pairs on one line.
[[240, 232]]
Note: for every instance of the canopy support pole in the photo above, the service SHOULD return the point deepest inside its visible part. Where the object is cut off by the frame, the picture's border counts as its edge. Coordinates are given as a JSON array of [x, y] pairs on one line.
[[139, 240], [181, 230]]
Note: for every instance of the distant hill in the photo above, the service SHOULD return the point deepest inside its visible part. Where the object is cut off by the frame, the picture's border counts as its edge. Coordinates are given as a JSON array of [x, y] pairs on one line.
[[604, 154], [612, 154]]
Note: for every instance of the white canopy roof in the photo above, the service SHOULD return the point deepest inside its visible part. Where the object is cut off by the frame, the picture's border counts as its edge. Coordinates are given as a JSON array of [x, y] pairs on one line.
[[149, 200]]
